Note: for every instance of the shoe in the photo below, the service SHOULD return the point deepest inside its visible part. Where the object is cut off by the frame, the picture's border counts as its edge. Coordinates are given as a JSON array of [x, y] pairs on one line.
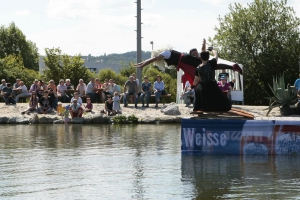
[[237, 68], [156, 106], [23, 112], [147, 106], [143, 106], [135, 106], [125, 105]]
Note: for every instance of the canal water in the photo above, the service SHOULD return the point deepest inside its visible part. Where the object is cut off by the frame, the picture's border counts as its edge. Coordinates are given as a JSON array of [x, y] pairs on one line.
[[132, 162]]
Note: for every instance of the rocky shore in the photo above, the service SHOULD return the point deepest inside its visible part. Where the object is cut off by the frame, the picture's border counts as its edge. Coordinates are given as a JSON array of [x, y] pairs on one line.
[[169, 113]]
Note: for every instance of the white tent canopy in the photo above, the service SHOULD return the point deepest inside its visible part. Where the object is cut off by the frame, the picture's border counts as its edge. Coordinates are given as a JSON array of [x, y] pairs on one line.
[[237, 93]]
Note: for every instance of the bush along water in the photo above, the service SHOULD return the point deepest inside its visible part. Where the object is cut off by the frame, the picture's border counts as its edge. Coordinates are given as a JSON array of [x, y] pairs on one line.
[[123, 119]]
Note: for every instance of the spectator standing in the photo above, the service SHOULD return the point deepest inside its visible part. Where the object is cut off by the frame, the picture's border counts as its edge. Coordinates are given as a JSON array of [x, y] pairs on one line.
[[145, 91], [90, 90], [116, 102], [132, 89], [24, 91], [159, 89], [45, 104], [81, 88]]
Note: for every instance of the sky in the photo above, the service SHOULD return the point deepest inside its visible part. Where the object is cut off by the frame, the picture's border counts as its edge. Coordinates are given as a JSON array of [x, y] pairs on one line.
[[108, 26]]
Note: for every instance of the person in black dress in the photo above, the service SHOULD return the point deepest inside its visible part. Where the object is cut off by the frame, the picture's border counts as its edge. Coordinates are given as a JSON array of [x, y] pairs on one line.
[[209, 97]]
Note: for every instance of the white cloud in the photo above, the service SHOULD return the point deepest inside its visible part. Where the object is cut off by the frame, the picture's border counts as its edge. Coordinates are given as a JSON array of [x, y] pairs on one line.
[[22, 12]]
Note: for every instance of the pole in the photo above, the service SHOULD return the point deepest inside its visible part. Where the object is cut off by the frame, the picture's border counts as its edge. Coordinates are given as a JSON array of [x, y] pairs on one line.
[[151, 44], [139, 41]]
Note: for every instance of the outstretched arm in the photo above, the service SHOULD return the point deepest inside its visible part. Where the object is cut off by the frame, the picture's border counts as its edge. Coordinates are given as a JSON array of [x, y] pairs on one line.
[[149, 61], [204, 45], [215, 54]]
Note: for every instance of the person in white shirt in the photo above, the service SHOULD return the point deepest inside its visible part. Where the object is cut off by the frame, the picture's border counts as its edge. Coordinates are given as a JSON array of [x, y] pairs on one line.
[[24, 91], [81, 87]]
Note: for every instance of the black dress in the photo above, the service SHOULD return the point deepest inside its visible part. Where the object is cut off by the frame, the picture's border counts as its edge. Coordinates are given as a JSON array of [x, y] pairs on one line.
[[209, 97]]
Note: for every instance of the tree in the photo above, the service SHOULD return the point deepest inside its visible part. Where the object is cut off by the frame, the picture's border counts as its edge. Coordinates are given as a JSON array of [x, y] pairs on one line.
[[61, 66], [13, 42], [264, 37], [12, 67]]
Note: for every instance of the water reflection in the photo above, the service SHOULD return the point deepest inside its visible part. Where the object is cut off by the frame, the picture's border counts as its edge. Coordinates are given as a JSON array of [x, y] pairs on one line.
[[236, 177], [75, 161]]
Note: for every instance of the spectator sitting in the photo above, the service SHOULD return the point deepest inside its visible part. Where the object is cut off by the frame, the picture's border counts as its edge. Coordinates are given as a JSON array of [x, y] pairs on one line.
[[116, 102], [98, 83], [90, 90], [24, 91], [188, 92], [77, 97], [109, 106], [33, 103], [34, 87], [132, 89], [2, 86], [61, 94], [42, 86], [81, 88], [114, 87], [69, 87], [15, 86], [53, 98], [7, 95], [145, 91], [52, 86], [60, 109], [135, 79], [75, 109], [106, 88], [89, 105], [45, 104], [159, 89]]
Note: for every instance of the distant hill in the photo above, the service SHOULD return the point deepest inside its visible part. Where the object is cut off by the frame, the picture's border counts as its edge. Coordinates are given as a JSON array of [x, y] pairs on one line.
[[113, 61]]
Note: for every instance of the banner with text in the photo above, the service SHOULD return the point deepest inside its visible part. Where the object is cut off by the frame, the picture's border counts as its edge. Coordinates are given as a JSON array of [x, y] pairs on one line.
[[217, 136]]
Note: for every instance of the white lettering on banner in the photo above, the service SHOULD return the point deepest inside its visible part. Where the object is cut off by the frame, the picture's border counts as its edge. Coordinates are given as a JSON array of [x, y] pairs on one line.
[[205, 139], [189, 134], [198, 139], [255, 148], [287, 143]]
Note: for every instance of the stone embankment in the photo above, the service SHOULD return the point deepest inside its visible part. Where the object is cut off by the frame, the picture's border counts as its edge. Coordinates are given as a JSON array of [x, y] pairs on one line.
[[170, 113]]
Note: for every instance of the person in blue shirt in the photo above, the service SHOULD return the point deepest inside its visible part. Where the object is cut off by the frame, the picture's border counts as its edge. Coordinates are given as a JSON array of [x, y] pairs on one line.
[[297, 84], [7, 95], [159, 89]]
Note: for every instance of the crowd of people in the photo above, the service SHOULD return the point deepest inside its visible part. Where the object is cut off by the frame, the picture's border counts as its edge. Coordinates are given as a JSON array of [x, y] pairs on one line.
[[47, 97]]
